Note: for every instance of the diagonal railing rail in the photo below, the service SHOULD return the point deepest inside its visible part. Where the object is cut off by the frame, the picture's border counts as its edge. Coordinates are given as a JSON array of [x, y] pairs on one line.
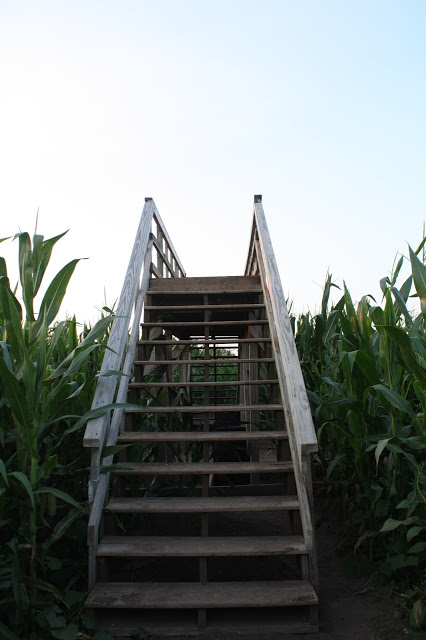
[[301, 432], [151, 237]]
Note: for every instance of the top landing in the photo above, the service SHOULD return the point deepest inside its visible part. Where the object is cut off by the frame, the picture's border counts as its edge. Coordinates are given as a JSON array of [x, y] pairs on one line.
[[221, 284]]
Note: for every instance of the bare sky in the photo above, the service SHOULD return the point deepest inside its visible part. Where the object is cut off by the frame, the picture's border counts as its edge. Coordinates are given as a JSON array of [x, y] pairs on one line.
[[318, 105]]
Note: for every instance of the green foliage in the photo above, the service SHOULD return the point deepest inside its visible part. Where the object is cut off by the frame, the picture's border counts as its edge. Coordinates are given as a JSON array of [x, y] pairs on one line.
[[47, 377], [365, 371]]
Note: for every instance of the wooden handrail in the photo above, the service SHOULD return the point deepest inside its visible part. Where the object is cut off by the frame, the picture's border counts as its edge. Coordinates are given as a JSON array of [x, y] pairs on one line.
[[120, 355], [97, 429], [295, 394], [301, 433]]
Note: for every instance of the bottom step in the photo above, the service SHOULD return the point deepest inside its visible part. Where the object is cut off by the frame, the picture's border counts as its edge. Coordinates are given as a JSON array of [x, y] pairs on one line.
[[125, 623], [193, 595]]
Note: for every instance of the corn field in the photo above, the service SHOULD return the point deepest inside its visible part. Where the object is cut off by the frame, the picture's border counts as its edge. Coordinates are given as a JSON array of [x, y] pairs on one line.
[[365, 371]]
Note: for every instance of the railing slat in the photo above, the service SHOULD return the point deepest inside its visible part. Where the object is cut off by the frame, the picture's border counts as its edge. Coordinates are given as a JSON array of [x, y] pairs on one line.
[[105, 389], [296, 392]]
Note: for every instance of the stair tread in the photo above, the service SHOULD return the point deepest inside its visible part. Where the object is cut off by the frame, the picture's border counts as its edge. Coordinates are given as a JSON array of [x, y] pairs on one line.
[[197, 323], [209, 284], [161, 343], [202, 505], [197, 361], [202, 307], [212, 408], [190, 595], [199, 436], [191, 546], [203, 468], [227, 383]]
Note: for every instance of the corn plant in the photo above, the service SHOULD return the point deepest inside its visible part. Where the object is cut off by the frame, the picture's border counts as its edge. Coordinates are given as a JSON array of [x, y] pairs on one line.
[[365, 370], [47, 379]]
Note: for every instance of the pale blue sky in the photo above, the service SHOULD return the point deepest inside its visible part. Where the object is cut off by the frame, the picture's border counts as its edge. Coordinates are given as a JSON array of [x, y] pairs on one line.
[[318, 105]]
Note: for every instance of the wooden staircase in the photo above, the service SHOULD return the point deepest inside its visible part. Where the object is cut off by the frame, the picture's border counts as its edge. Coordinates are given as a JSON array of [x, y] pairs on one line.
[[203, 521]]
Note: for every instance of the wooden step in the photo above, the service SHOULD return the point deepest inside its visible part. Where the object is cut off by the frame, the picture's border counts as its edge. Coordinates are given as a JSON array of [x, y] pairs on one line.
[[203, 307], [199, 436], [213, 408], [191, 546], [226, 383], [203, 505], [200, 468], [195, 341], [197, 286], [190, 595], [210, 323], [200, 361]]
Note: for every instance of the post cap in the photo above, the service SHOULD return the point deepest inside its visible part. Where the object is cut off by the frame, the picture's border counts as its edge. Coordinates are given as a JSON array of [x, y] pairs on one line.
[[257, 199], [148, 199]]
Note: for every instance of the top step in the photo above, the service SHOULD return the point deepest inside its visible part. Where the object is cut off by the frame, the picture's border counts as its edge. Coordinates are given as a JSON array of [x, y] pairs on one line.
[[222, 284]]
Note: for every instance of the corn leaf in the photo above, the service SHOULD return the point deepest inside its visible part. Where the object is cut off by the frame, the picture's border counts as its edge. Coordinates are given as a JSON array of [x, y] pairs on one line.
[[395, 399], [419, 277], [54, 295]]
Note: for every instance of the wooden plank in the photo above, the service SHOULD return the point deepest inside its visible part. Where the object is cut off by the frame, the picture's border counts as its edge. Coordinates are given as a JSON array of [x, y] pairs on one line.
[[200, 436], [201, 307], [195, 341], [187, 595], [197, 361], [203, 505], [197, 323], [217, 408], [200, 468], [106, 385], [159, 221], [156, 271], [298, 402], [191, 546], [217, 383], [221, 622], [226, 284]]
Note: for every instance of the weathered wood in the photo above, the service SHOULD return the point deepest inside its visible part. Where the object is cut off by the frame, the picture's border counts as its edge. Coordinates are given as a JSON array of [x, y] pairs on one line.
[[121, 623], [297, 398], [226, 284], [203, 505], [190, 546], [207, 408], [201, 468], [200, 436], [105, 388], [195, 341], [194, 362], [159, 221], [187, 595], [305, 515], [201, 307], [197, 323], [217, 383]]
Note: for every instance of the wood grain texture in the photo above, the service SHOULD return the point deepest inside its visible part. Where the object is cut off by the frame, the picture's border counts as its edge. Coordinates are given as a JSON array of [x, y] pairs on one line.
[[222, 284], [200, 436], [203, 505], [105, 388], [195, 341], [227, 383], [201, 468], [163, 595], [159, 221], [196, 323], [217, 408], [202, 307], [297, 397], [198, 361], [191, 546]]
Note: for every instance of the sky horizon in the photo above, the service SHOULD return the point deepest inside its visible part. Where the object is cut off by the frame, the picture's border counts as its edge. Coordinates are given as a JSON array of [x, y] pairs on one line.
[[319, 107]]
